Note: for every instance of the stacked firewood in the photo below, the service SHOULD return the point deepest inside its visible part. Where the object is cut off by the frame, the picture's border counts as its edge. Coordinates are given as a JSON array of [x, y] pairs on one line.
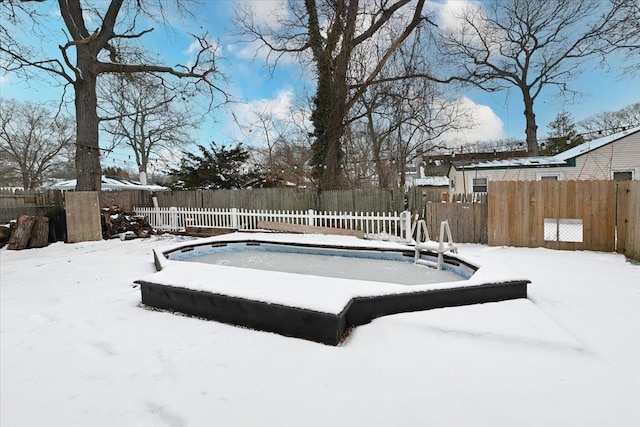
[[28, 232], [126, 225]]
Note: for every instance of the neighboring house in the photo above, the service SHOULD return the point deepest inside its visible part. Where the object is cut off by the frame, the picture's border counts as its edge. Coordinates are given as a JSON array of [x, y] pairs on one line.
[[614, 157], [432, 187]]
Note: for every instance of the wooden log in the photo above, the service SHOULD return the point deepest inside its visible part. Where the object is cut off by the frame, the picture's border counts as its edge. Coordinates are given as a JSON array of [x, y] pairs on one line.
[[21, 233], [5, 233], [208, 231], [40, 232], [297, 228]]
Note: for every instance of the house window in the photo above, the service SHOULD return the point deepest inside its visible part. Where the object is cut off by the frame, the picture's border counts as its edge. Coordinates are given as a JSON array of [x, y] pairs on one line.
[[453, 183], [548, 176], [479, 185], [623, 176]]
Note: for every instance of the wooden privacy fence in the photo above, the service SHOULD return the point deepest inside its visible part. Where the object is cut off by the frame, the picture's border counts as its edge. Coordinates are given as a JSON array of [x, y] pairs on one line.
[[468, 221], [628, 219], [296, 199], [374, 225], [571, 215], [21, 198], [14, 203]]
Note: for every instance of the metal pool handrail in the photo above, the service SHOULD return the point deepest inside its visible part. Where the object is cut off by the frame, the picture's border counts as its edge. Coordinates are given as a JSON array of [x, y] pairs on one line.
[[440, 247]]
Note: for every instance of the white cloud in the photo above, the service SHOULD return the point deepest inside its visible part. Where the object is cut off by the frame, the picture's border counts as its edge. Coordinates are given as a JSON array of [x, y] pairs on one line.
[[484, 125], [279, 107], [448, 12], [264, 14], [268, 11], [253, 122]]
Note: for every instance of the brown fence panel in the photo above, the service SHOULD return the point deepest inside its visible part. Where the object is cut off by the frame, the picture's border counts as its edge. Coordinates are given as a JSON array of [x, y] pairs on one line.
[[182, 198], [361, 200], [518, 210], [14, 203], [628, 219], [292, 199], [259, 198], [468, 221], [595, 204], [498, 233]]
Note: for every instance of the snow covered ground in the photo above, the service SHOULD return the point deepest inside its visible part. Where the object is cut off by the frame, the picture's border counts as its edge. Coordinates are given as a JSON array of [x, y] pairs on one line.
[[76, 349]]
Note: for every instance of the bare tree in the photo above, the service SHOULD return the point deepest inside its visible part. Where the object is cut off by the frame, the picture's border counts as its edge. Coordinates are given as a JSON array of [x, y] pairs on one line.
[[32, 140], [96, 36], [629, 45], [534, 44], [360, 168], [264, 129], [330, 31], [406, 117], [141, 113], [609, 122], [495, 146], [291, 163]]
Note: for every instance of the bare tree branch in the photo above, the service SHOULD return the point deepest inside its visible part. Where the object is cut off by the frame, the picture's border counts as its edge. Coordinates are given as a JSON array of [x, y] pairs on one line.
[[533, 44], [99, 53]]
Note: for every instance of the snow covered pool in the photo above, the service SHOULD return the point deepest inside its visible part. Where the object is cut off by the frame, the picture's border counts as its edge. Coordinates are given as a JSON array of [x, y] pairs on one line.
[[353, 263], [311, 286]]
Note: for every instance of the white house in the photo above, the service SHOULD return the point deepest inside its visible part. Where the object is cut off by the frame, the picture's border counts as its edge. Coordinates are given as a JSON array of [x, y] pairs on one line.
[[614, 157]]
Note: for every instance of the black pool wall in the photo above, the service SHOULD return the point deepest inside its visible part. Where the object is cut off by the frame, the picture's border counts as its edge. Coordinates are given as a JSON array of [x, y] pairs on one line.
[[316, 326]]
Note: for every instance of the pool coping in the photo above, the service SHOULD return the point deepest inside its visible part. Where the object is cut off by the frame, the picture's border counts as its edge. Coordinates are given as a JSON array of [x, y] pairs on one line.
[[311, 324]]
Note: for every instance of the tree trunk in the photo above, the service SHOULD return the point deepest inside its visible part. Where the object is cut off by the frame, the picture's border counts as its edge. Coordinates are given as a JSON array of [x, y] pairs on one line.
[[532, 127], [376, 141], [327, 121], [88, 170], [25, 180]]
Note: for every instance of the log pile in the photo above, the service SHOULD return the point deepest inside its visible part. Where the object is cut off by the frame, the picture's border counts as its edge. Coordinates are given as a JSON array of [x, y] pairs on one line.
[[118, 223], [5, 234], [29, 232]]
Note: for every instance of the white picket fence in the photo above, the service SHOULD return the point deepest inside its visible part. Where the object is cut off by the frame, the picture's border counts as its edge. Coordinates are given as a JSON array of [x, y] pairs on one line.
[[382, 226]]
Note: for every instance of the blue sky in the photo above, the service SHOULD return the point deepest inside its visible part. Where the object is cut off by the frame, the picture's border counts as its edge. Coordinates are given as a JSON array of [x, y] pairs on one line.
[[251, 84]]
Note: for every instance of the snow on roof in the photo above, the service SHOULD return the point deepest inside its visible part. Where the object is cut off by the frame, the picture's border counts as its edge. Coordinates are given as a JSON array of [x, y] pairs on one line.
[[431, 181], [594, 144], [109, 183], [557, 160], [510, 163]]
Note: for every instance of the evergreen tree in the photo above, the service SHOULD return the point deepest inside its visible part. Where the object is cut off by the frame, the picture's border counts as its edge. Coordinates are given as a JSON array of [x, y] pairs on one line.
[[214, 168], [562, 135]]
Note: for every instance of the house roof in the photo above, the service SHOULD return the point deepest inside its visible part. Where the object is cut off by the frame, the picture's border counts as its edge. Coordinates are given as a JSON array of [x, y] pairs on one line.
[[109, 183], [432, 181], [560, 159], [594, 144]]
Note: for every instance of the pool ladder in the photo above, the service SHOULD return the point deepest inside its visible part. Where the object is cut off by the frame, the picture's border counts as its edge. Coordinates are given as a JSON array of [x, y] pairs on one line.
[[441, 247]]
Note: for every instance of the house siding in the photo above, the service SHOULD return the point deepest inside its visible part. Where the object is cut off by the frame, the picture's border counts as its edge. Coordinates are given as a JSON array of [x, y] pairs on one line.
[[620, 155], [599, 164]]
